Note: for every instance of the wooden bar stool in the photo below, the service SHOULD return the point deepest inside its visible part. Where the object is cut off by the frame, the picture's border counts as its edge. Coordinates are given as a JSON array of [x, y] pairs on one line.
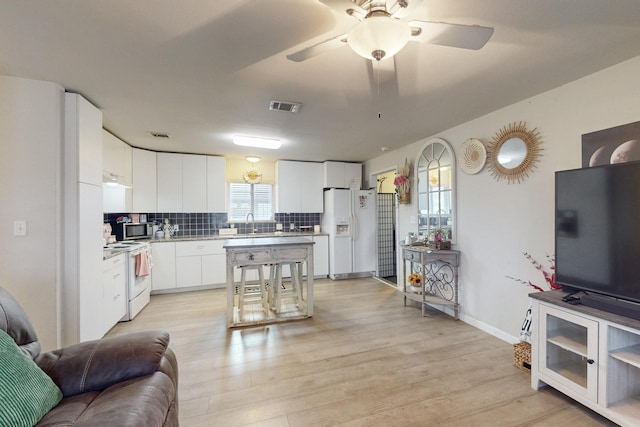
[[279, 291], [249, 294]]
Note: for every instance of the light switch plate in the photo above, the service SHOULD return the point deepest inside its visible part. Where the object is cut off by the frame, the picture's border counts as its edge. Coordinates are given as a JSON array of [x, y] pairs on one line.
[[20, 228]]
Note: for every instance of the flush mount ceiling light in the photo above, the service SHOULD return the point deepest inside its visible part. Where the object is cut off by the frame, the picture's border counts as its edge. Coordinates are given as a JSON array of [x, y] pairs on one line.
[[379, 36], [250, 141], [253, 159]]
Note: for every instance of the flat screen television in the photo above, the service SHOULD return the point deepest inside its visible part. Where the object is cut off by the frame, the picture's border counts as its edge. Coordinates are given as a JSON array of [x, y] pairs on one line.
[[597, 234]]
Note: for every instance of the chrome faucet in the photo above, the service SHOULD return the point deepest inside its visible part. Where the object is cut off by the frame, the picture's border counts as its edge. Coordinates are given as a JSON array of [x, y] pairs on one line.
[[253, 222]]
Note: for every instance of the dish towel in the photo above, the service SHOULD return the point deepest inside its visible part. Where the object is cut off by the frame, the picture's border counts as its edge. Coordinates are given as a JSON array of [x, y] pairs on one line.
[[143, 263]]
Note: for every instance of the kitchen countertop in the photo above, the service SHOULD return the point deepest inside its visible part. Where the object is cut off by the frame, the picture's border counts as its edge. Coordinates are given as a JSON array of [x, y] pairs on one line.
[[252, 242], [110, 253], [236, 236]]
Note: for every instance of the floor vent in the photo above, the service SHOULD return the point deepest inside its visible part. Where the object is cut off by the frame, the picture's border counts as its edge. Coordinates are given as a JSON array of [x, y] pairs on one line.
[[290, 107]]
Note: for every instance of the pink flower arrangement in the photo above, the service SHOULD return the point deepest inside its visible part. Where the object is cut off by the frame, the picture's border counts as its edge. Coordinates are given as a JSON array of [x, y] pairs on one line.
[[549, 276], [400, 180]]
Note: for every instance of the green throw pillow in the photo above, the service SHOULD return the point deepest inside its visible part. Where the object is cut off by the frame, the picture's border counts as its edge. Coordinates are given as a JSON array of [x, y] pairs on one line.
[[26, 392]]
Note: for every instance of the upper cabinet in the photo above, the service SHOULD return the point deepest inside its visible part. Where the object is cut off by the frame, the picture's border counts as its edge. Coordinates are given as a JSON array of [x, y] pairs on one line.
[[169, 175], [117, 174], [144, 181], [216, 184], [299, 187], [84, 128], [190, 183], [342, 175], [194, 183], [116, 158]]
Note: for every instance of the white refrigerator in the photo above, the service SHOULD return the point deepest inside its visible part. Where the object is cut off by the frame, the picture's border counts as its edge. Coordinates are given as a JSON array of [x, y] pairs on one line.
[[350, 220]]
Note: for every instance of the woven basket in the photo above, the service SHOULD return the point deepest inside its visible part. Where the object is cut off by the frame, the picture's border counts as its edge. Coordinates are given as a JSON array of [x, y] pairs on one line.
[[522, 355], [404, 197]]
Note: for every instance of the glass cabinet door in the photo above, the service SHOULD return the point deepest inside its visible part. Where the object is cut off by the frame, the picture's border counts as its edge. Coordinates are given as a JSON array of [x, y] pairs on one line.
[[569, 350]]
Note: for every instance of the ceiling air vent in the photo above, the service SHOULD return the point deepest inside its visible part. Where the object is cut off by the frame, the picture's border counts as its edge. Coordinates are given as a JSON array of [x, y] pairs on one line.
[[290, 107], [159, 134]]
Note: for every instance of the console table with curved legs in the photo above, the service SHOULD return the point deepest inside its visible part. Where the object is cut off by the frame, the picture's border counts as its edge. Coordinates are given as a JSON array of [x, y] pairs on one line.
[[439, 272]]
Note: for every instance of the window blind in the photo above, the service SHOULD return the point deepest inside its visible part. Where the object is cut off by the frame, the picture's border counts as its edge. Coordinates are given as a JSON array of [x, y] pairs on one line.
[[245, 198]]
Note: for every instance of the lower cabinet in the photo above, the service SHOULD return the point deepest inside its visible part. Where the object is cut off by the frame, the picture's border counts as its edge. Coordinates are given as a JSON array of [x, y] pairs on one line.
[[590, 355], [114, 291], [321, 256], [163, 273], [193, 263], [200, 262]]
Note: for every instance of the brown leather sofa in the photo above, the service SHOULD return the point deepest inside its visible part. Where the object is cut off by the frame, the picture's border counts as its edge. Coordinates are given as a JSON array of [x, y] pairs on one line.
[[129, 380]]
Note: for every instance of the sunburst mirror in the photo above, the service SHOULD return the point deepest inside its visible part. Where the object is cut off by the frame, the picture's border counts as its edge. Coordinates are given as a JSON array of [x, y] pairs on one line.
[[514, 152]]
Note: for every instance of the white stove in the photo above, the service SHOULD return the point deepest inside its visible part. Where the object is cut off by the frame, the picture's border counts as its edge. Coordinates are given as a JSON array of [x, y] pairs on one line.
[[138, 275]]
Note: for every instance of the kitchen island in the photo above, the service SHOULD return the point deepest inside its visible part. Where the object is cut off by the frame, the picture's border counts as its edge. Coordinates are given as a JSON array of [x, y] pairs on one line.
[[265, 253]]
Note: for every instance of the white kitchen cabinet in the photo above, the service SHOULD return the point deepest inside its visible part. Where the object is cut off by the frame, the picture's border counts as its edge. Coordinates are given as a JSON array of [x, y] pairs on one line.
[[341, 174], [114, 285], [89, 262], [116, 157], [188, 271], [590, 355], [299, 187], [182, 183], [83, 218], [216, 184], [144, 181], [194, 183], [163, 274], [169, 182], [85, 135], [200, 262], [321, 256], [214, 269], [117, 163]]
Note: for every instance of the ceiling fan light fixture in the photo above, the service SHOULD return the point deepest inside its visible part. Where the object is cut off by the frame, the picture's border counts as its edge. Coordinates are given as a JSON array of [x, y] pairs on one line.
[[379, 36]]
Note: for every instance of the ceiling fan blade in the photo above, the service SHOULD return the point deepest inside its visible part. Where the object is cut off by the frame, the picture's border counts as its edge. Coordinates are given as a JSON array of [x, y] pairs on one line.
[[453, 35], [317, 49]]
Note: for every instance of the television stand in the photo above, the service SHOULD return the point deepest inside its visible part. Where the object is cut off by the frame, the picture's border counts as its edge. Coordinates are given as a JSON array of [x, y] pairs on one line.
[[612, 305], [591, 355]]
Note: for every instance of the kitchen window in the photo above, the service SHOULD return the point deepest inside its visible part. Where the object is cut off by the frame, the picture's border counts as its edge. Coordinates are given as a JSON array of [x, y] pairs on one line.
[[250, 198]]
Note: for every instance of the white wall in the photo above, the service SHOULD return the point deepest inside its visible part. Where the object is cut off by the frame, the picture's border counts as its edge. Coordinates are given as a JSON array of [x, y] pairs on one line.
[[497, 221], [31, 134]]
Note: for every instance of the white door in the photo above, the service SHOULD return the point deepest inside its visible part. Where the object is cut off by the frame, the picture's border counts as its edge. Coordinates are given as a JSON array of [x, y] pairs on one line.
[[365, 243], [340, 261]]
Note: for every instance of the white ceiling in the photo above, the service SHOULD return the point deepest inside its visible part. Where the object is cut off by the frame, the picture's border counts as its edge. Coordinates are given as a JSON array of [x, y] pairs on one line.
[[203, 71]]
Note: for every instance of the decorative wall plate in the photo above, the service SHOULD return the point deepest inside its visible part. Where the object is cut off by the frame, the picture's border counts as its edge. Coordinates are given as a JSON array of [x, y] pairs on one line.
[[474, 156], [252, 176]]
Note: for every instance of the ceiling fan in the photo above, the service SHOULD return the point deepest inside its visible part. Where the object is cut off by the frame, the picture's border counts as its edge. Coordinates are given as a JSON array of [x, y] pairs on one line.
[[384, 30]]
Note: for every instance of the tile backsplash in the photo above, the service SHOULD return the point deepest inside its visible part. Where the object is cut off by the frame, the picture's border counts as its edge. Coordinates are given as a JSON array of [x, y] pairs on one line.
[[205, 224]]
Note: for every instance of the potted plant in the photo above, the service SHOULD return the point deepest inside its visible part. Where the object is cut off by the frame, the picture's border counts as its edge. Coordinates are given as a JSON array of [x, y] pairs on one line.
[[522, 349], [415, 282], [438, 238]]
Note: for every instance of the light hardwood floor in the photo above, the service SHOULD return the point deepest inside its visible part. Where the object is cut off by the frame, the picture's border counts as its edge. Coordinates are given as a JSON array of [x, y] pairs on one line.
[[362, 360]]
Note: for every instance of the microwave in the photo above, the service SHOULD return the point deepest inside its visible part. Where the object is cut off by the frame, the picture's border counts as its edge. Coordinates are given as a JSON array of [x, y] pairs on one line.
[[132, 230]]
